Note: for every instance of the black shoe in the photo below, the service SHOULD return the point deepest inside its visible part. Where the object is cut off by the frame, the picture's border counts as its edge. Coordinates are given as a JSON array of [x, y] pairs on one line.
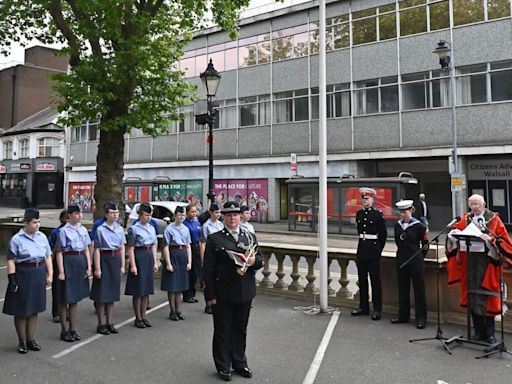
[[148, 307], [360, 312], [245, 372], [421, 324], [146, 323], [74, 334], [139, 323], [66, 336], [112, 329], [33, 345], [397, 320], [224, 375], [195, 300], [189, 300], [491, 340], [22, 347], [376, 315], [173, 316], [180, 315], [56, 319], [103, 329], [208, 310]]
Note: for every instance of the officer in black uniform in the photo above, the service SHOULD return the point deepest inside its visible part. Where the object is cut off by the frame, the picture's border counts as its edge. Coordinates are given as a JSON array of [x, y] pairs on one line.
[[371, 227], [230, 288]]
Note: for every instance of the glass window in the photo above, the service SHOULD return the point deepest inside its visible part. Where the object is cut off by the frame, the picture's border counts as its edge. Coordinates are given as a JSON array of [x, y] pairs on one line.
[[93, 131], [282, 48], [264, 110], [439, 15], [188, 66], [441, 93], [341, 104], [75, 134], [264, 52], [247, 55], [410, 3], [48, 147], [413, 20], [366, 100], [283, 111], [301, 108], [387, 26], [300, 44], [501, 85], [218, 60], [231, 59], [341, 36], [389, 98], [501, 64], [497, 9], [471, 89], [415, 95], [8, 150], [314, 107], [467, 11], [314, 36], [248, 115], [364, 30]]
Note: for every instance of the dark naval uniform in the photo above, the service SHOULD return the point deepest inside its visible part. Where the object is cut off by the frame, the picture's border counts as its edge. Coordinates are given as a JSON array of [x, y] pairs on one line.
[[234, 293], [371, 228]]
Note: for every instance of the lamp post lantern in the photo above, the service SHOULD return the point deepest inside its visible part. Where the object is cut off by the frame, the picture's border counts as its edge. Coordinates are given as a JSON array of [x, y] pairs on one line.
[[211, 80], [443, 51]]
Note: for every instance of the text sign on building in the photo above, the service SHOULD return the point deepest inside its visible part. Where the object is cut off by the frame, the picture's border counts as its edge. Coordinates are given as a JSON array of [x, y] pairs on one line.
[[456, 182], [497, 169], [45, 167]]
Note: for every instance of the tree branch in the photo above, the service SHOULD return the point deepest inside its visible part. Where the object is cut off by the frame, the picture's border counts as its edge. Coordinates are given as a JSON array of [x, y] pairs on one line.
[[62, 25], [83, 18]]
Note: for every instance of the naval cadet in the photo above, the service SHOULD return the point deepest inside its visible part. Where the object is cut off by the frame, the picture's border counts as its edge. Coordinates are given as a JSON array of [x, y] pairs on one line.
[[109, 266], [371, 228], [29, 270], [230, 263], [74, 264]]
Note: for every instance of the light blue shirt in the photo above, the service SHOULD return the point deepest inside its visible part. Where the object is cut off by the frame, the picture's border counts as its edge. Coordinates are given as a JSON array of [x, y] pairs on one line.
[[209, 228], [109, 238], [141, 235], [248, 227], [73, 238], [26, 248], [176, 235]]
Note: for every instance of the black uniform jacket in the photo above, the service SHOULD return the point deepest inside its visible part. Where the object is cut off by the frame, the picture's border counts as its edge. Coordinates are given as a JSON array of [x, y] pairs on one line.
[[408, 241], [370, 222], [220, 272]]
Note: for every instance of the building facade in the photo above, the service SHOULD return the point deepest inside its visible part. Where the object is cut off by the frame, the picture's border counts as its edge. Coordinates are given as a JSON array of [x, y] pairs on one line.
[[388, 104]]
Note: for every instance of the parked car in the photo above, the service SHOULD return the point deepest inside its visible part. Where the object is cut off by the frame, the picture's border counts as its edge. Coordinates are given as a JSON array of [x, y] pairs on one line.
[[163, 213]]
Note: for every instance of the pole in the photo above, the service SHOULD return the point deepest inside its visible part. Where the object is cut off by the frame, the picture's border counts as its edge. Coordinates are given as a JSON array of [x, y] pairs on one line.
[[322, 152], [211, 116]]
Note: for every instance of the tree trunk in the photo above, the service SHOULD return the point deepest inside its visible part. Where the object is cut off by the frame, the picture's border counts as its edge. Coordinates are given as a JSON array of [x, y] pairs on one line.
[[109, 171]]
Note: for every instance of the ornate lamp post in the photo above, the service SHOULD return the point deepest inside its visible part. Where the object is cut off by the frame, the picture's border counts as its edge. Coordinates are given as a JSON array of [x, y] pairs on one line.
[[211, 80]]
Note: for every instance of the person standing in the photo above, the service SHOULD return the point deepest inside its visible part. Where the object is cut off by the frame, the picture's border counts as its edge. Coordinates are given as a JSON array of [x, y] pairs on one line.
[[74, 264], [422, 213], [29, 270], [142, 244], [245, 217], [409, 233], [178, 260], [371, 228], [109, 265], [229, 289], [194, 274], [212, 225], [52, 240], [479, 268]]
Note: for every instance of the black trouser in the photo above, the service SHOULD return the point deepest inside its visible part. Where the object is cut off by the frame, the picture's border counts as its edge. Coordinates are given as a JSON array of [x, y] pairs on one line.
[[484, 325], [55, 287], [229, 335], [414, 272], [195, 272], [371, 267]]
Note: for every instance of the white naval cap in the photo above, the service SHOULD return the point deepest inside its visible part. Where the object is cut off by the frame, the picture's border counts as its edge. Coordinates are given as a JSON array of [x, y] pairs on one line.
[[404, 204], [365, 191]]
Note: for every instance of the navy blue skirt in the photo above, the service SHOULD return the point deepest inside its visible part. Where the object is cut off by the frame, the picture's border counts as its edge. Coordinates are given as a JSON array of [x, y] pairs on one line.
[[176, 281], [142, 284], [75, 287], [30, 298], [108, 288]]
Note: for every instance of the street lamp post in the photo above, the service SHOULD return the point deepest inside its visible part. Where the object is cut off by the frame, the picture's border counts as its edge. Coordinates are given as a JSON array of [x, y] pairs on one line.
[[443, 51], [211, 80]]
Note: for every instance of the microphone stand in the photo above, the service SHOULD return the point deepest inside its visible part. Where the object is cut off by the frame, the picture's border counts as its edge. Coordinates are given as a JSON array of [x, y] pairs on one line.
[[439, 333], [499, 346]]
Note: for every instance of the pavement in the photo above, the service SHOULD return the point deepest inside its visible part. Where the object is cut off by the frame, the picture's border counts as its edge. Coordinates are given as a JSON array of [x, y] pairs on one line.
[[288, 342]]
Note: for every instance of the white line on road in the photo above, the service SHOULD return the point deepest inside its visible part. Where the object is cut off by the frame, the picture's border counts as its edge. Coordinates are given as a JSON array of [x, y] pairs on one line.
[[320, 352], [96, 337], [5, 266]]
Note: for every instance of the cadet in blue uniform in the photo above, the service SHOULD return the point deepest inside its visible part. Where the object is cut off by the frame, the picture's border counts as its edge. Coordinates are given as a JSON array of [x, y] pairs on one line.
[[371, 227], [54, 235], [409, 233], [230, 289], [195, 236], [74, 264], [245, 217], [109, 265], [178, 260], [142, 243], [29, 269]]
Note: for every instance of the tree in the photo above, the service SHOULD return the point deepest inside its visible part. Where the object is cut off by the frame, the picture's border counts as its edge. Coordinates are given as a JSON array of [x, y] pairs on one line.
[[123, 57]]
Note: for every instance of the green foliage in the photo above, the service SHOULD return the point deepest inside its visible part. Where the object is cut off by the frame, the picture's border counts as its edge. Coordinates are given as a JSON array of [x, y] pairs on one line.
[[123, 53]]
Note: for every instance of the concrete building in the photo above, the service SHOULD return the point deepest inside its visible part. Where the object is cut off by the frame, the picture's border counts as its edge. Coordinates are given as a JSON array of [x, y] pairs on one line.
[[388, 105]]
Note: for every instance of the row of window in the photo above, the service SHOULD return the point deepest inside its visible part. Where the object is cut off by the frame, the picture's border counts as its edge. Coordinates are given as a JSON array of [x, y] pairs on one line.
[[370, 25], [46, 147]]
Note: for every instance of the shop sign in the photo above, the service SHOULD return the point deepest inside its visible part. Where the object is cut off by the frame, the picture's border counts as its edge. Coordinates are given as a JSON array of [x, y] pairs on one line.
[[20, 167], [498, 169], [45, 167], [3, 169]]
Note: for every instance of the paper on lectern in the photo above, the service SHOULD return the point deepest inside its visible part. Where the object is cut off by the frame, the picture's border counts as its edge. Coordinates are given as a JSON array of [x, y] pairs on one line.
[[471, 230]]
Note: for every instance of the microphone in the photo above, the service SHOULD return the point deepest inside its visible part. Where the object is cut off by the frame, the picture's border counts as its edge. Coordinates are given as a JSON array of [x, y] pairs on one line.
[[449, 225]]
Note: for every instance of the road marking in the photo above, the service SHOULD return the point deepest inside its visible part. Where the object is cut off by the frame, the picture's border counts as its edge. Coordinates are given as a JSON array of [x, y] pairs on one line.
[[3, 267], [320, 352], [97, 336]]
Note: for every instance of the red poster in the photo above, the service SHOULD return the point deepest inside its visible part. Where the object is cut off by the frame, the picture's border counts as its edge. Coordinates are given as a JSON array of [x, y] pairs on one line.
[[220, 187], [383, 201], [237, 191], [82, 194], [144, 194], [257, 198], [330, 201], [130, 194]]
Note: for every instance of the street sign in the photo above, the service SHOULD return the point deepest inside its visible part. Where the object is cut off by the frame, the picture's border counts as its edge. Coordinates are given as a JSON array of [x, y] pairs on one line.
[[456, 182]]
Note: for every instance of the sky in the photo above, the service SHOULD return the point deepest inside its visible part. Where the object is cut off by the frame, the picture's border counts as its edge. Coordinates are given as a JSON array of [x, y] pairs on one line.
[[256, 6]]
